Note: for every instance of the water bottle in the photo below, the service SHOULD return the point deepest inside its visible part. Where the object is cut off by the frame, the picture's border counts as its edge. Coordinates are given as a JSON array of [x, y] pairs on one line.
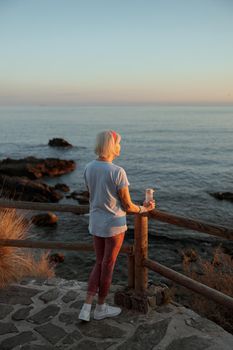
[[149, 195]]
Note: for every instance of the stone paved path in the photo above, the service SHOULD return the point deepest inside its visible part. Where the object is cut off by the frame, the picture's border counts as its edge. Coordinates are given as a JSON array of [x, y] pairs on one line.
[[43, 315]]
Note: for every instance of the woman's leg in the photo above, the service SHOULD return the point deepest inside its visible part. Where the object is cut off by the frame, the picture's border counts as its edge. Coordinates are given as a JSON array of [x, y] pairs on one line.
[[94, 278], [111, 251]]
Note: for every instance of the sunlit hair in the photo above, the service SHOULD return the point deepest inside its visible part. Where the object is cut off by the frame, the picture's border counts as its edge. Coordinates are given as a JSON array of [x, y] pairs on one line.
[[105, 143]]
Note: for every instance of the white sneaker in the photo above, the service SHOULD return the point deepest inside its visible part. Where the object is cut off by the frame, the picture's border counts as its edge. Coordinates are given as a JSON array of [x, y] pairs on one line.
[[104, 310], [85, 313]]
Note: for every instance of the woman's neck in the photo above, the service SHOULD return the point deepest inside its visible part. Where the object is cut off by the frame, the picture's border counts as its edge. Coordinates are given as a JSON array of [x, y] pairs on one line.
[[105, 159]]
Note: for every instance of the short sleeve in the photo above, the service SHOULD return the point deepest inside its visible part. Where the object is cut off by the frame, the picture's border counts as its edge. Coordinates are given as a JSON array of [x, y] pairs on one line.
[[85, 178], [121, 180]]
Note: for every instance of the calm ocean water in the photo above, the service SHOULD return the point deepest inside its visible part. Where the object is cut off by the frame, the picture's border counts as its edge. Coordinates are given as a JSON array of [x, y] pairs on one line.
[[182, 152]]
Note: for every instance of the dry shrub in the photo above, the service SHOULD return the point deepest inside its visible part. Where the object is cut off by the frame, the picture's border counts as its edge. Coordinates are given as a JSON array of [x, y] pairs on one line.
[[217, 274], [16, 263]]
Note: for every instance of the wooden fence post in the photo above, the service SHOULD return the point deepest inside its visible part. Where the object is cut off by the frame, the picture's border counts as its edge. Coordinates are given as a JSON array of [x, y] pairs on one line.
[[131, 270], [141, 252]]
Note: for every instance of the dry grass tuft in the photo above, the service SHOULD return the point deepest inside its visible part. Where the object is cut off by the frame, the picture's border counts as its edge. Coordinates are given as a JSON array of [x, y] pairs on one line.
[[16, 263], [217, 274]]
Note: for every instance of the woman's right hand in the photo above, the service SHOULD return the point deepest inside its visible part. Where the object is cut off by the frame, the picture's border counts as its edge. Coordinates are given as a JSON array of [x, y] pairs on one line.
[[149, 205]]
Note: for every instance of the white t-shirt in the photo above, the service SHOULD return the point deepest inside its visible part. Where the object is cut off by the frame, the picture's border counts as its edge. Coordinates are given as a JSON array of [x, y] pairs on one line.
[[103, 180]]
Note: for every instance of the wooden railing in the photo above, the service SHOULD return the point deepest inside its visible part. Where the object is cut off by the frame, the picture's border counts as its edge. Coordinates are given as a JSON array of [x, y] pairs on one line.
[[138, 262]]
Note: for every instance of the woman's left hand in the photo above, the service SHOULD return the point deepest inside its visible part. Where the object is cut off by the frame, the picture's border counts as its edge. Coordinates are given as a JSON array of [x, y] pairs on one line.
[[149, 205]]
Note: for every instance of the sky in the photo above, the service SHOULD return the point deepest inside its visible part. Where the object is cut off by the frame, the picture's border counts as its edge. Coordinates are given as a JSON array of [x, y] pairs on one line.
[[116, 52]]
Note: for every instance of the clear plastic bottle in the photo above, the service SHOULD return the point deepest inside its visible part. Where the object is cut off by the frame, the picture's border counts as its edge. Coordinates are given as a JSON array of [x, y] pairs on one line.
[[149, 195]]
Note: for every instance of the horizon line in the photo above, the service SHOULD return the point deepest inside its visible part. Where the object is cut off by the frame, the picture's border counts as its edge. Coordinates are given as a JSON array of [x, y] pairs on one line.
[[139, 104]]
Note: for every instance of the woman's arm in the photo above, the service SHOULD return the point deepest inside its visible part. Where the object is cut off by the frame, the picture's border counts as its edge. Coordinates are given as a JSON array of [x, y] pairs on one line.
[[129, 206]]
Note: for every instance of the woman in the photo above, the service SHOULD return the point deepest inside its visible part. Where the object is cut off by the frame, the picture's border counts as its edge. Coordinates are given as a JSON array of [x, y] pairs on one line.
[[110, 200]]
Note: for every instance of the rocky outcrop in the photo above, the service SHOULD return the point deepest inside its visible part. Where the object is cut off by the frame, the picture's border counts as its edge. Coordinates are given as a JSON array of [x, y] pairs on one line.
[[35, 168], [228, 196], [47, 219], [62, 187], [23, 189], [59, 142], [82, 197]]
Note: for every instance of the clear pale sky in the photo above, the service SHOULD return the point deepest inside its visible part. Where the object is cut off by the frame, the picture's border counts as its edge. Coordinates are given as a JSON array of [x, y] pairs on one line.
[[71, 52]]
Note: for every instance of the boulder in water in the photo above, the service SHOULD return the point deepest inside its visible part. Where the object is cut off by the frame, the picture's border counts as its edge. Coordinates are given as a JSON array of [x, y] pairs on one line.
[[35, 168], [82, 197], [47, 219], [228, 196], [23, 189], [59, 142], [56, 258], [62, 187]]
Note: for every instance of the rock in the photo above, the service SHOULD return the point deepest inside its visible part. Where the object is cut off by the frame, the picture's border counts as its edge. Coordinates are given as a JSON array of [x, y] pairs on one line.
[[48, 219], [77, 304], [228, 196], [59, 142], [37, 347], [45, 314], [73, 337], [5, 310], [101, 330], [62, 187], [56, 258], [7, 328], [166, 281], [50, 295], [147, 336], [26, 190], [84, 194], [159, 294], [35, 168], [17, 295], [22, 313], [51, 332], [89, 344], [202, 324], [190, 342], [196, 268], [189, 255], [82, 197], [18, 340], [71, 295], [69, 317]]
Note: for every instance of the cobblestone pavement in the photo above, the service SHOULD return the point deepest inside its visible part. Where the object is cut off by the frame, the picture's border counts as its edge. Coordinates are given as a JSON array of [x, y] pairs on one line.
[[43, 315]]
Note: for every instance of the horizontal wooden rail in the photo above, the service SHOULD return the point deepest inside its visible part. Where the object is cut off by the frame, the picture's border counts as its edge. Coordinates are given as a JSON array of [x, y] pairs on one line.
[[76, 209], [191, 224], [196, 225], [189, 283], [126, 248]]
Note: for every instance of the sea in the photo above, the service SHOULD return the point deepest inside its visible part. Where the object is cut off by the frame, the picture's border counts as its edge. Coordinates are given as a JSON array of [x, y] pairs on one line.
[[183, 152]]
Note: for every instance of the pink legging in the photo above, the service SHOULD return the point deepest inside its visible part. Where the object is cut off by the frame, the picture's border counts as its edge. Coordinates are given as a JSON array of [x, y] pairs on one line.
[[107, 250]]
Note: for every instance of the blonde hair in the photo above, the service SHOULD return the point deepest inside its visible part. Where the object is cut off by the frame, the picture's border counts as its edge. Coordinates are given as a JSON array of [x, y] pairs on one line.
[[106, 143]]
